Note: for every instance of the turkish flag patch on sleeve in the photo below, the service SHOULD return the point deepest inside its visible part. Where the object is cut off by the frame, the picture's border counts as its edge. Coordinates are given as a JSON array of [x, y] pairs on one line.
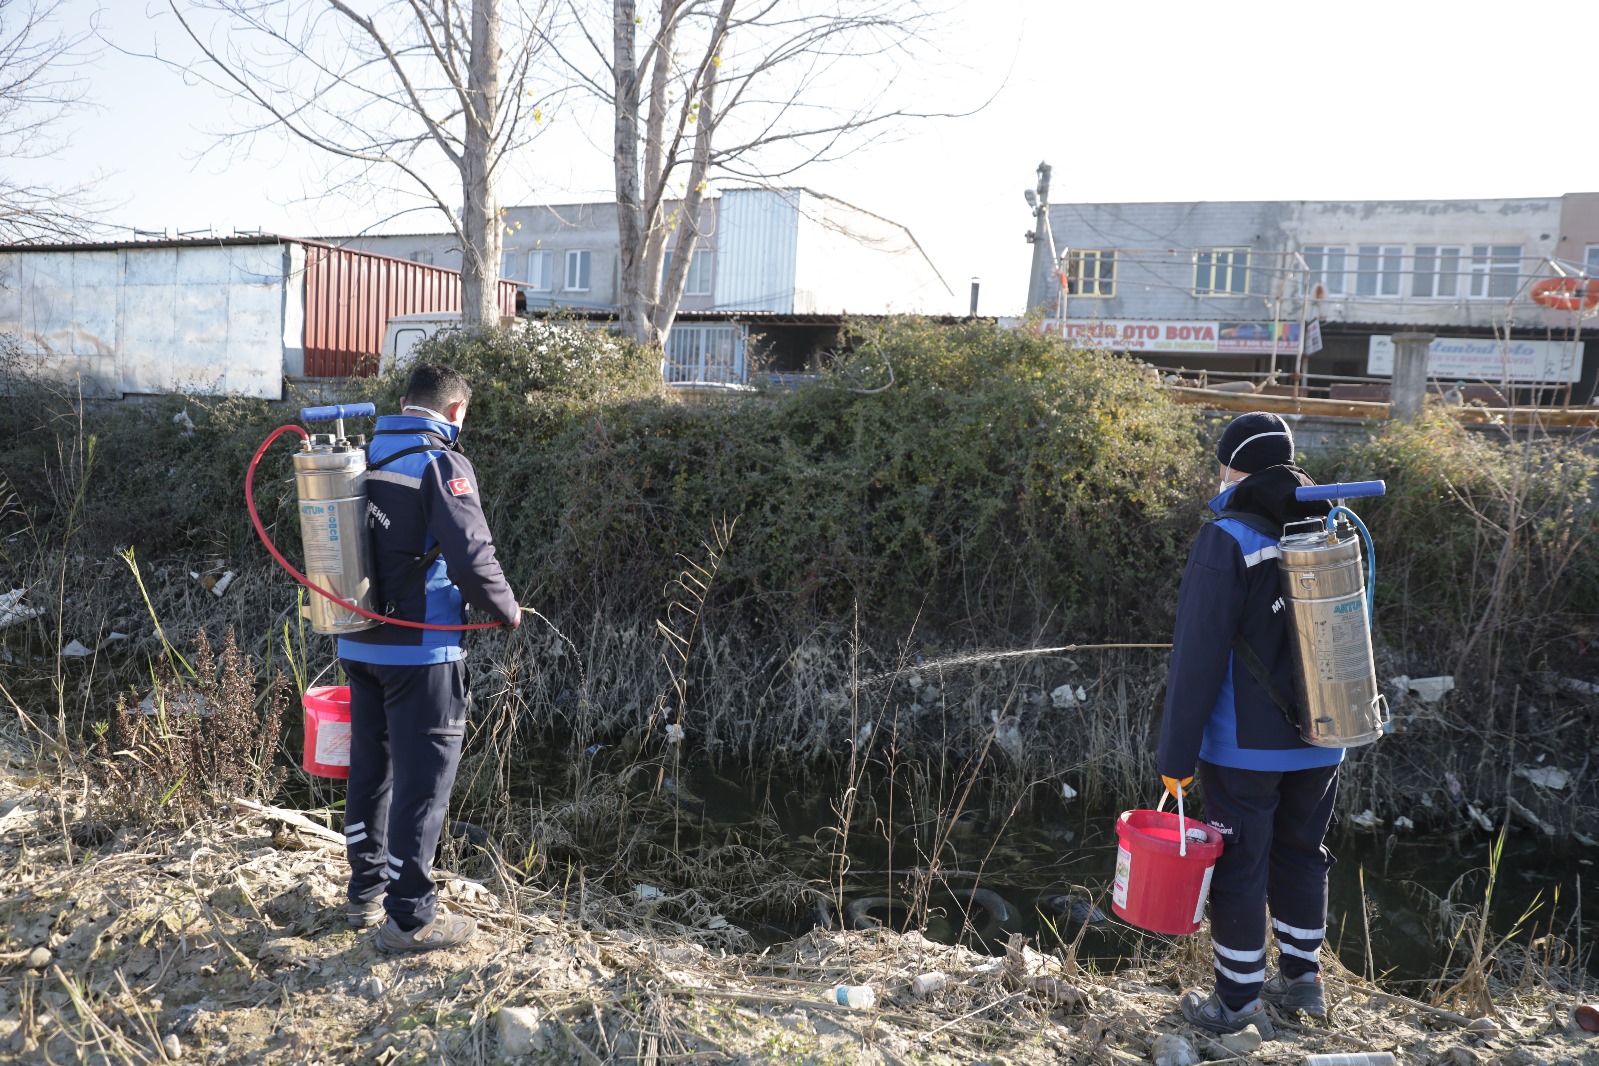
[[460, 486]]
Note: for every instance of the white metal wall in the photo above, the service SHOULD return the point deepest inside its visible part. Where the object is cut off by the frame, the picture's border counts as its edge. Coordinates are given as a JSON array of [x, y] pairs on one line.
[[152, 320], [757, 249]]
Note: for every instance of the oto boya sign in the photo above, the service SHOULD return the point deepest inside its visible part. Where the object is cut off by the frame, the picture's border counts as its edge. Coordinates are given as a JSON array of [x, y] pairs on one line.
[[1129, 335], [1487, 359]]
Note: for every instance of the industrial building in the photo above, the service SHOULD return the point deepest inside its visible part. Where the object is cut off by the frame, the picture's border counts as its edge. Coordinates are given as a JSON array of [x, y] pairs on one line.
[[1307, 294]]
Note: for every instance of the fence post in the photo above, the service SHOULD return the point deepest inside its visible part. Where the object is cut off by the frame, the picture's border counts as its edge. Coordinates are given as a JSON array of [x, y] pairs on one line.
[[1408, 392]]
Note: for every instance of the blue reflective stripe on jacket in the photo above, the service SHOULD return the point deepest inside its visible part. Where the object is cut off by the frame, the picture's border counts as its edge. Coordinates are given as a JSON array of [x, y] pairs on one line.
[[417, 501], [1215, 709]]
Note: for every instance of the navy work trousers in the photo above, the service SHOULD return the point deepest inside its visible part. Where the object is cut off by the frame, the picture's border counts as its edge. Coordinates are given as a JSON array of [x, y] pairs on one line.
[[406, 728], [1272, 824]]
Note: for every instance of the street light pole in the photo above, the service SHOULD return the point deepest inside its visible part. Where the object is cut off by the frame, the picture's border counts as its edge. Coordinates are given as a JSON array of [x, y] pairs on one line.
[[1042, 238]]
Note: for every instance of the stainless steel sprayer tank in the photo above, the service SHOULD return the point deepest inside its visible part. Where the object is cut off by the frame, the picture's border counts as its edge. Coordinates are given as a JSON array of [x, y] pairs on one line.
[[1329, 618], [330, 481]]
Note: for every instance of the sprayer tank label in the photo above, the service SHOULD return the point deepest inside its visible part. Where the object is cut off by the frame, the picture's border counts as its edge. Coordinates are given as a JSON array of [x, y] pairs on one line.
[[320, 530]]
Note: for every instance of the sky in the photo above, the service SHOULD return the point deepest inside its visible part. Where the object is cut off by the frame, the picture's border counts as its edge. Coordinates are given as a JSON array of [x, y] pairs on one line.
[[1150, 101]]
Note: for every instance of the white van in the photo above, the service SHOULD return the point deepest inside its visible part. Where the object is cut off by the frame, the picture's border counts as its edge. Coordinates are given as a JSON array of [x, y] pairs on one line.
[[405, 332]]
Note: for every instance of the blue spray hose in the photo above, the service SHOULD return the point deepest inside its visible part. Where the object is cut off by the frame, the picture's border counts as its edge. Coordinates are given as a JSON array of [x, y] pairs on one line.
[[1371, 558]]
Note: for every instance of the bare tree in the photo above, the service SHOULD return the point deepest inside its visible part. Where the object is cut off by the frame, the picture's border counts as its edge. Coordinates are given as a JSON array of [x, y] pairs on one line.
[[39, 85], [748, 89], [413, 88]]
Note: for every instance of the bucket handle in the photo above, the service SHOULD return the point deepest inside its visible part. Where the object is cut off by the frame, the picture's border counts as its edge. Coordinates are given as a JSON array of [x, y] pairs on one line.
[[1182, 824]]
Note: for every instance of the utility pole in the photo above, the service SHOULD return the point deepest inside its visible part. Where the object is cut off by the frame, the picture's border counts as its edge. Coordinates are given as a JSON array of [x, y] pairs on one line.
[[1043, 286]]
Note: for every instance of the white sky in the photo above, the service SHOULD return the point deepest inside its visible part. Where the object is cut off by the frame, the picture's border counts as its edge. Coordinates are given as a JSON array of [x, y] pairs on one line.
[[1152, 100]]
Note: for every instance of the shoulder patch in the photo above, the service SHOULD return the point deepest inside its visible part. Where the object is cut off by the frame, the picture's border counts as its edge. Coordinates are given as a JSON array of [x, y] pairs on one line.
[[459, 486]]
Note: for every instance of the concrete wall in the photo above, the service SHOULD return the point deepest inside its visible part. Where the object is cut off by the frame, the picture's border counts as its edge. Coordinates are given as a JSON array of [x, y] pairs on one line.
[[205, 319], [1155, 244]]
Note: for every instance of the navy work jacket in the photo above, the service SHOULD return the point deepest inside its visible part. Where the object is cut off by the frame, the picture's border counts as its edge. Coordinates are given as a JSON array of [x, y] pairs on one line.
[[418, 501], [1215, 709]]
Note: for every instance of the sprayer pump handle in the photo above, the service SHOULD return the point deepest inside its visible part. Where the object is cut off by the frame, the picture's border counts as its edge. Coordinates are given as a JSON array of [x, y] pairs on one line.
[[1347, 490], [338, 410]]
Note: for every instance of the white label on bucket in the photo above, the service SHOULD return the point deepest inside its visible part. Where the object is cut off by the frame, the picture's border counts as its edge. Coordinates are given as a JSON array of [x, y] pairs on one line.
[[1124, 866], [1204, 893], [333, 744]]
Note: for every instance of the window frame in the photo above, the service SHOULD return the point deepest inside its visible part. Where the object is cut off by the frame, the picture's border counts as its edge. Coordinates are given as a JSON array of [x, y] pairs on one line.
[[585, 258], [1321, 272], [1104, 288], [1485, 258], [1590, 260], [1437, 255], [548, 259], [1231, 267], [508, 267], [1385, 271]]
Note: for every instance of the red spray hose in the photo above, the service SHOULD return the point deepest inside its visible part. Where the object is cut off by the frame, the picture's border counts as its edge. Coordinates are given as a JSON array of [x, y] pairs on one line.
[[249, 499]]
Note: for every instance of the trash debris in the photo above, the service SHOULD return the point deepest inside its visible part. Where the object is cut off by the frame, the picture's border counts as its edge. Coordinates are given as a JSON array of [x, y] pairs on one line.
[[1586, 1015], [1480, 818], [222, 583], [76, 650], [1067, 792], [1521, 811], [1581, 688], [13, 610], [183, 421], [176, 703], [1425, 689], [1172, 1050], [926, 984], [1065, 696], [1545, 776], [674, 733], [864, 735], [857, 997], [1367, 819], [647, 893], [519, 1030], [1403, 823], [1007, 737], [1245, 1042]]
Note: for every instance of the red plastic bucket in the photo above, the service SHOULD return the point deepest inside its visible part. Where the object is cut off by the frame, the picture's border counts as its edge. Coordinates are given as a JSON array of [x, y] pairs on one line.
[[327, 731], [1157, 887]]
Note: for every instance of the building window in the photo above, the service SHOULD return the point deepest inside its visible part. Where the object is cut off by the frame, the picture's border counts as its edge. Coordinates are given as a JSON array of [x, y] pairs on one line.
[[1327, 267], [511, 267], [1221, 272], [1091, 273], [1590, 262], [1437, 271], [1377, 268], [698, 282], [423, 257], [577, 271], [1495, 271], [540, 271]]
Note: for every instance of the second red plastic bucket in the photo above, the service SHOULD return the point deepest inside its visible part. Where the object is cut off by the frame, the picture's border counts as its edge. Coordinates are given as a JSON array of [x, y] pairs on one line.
[[1157, 886], [327, 731]]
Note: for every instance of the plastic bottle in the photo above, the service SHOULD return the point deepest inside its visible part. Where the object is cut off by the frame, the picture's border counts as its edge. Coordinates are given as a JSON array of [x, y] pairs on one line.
[[856, 997], [1354, 1058]]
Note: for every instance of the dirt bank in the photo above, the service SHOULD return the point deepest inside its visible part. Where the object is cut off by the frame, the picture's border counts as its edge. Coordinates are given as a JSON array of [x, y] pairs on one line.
[[223, 942]]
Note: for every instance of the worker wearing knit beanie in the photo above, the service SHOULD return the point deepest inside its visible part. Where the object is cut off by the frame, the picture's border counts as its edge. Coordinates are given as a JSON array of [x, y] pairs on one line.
[[1266, 791]]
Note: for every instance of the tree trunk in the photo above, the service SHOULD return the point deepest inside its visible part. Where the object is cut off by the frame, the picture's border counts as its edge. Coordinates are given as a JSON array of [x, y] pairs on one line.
[[632, 314], [480, 215]]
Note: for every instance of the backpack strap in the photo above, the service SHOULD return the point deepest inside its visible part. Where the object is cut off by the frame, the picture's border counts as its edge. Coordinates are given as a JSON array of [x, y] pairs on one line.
[[1257, 670], [1259, 523]]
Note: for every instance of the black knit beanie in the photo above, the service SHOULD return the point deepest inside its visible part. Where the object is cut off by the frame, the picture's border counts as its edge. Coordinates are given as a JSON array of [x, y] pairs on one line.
[[1255, 441]]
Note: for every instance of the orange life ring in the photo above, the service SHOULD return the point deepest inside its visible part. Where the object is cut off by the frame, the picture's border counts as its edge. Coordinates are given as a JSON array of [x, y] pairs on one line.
[[1566, 294]]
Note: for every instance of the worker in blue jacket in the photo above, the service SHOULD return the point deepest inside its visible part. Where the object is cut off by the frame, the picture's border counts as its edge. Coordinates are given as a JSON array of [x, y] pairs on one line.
[[1232, 710], [432, 557]]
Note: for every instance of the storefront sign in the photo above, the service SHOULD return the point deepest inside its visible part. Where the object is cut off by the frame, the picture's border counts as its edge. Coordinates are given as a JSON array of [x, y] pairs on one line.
[[1143, 335], [1486, 359]]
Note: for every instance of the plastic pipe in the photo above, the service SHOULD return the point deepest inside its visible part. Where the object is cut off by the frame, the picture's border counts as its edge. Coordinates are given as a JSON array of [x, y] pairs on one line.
[[1371, 557], [1347, 491]]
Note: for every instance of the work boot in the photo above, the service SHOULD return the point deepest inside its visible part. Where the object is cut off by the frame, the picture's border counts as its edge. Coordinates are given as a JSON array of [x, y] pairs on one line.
[[1212, 1015], [1300, 993], [444, 931], [364, 913]]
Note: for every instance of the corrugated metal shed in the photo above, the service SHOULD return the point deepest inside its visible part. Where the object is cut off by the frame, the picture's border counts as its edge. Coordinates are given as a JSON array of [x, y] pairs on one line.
[[350, 296], [757, 246]]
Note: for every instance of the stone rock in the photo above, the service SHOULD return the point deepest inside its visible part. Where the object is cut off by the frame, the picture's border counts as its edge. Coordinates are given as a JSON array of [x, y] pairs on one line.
[[1244, 1042], [172, 1046], [371, 987], [1173, 1050], [1464, 1056], [519, 1029], [38, 958]]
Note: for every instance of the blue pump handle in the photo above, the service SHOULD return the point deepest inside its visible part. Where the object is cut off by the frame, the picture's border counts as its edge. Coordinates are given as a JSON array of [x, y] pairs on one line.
[[338, 410], [1346, 491]]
